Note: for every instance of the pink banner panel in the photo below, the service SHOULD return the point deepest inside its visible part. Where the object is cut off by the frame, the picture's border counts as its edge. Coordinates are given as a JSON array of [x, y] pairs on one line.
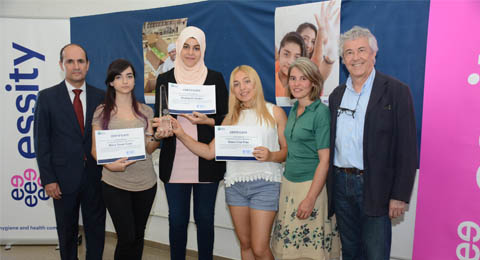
[[448, 209]]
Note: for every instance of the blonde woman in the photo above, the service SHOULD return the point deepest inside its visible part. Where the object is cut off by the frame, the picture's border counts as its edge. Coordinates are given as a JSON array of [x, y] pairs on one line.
[[252, 187]]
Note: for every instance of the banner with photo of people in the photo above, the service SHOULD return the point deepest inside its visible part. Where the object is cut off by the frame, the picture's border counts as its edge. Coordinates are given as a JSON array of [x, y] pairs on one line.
[[307, 30], [159, 51]]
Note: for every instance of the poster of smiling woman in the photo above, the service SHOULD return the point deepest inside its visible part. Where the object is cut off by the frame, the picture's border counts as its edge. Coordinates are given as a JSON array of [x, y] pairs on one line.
[[307, 30]]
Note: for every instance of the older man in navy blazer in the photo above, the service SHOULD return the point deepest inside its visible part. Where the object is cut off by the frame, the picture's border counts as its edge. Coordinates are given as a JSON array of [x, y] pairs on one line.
[[373, 151], [62, 134]]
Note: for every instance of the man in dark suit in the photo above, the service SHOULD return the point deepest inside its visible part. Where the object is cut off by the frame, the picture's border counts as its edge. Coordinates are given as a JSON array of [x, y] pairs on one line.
[[63, 141], [373, 151]]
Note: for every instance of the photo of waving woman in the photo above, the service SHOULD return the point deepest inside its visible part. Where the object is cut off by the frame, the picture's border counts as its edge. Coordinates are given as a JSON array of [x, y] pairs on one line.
[[318, 25]]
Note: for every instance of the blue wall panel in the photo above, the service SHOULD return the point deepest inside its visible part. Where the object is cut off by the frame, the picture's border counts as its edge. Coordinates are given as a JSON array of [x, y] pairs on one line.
[[242, 32]]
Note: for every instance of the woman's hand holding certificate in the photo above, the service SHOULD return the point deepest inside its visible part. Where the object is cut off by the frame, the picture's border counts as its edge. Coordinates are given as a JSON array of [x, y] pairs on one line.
[[197, 118], [262, 153], [185, 99], [112, 145], [234, 143], [119, 165]]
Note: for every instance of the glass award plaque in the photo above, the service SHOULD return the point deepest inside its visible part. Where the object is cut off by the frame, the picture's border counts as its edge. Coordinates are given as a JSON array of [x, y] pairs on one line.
[[165, 123]]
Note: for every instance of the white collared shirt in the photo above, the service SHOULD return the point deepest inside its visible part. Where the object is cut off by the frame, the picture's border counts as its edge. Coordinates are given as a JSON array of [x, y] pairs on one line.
[[349, 138], [83, 96]]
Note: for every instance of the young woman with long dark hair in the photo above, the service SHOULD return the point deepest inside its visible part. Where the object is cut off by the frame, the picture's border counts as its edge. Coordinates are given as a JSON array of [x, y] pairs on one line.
[[128, 187]]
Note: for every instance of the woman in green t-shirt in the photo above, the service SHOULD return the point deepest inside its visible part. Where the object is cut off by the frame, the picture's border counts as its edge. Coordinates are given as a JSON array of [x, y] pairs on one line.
[[302, 228]]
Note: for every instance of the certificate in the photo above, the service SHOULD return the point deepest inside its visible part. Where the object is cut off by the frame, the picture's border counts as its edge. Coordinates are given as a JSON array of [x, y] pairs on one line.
[[112, 145], [185, 99], [233, 143]]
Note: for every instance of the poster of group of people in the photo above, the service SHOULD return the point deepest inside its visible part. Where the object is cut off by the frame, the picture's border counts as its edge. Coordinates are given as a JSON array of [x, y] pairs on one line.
[[307, 30]]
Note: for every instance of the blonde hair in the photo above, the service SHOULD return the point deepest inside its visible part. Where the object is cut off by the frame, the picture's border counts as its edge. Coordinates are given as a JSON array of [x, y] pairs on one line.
[[258, 104], [311, 72]]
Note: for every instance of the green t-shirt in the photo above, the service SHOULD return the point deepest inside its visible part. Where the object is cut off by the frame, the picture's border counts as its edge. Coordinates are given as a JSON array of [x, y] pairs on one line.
[[305, 135]]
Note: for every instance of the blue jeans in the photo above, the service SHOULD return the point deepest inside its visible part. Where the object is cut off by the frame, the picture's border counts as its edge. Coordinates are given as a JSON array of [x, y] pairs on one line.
[[178, 197], [363, 237]]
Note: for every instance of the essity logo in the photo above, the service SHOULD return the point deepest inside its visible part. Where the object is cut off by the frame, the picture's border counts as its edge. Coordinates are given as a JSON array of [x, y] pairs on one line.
[[28, 188], [469, 232], [478, 177]]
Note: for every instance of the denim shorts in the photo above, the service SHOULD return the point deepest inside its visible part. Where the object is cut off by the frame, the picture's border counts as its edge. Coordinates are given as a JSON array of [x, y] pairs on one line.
[[259, 194]]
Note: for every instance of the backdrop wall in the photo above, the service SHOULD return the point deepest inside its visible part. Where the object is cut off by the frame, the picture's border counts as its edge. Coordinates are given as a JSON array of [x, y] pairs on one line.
[[242, 32]]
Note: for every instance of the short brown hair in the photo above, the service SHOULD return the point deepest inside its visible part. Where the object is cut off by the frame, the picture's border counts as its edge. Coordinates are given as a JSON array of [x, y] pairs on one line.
[[311, 72]]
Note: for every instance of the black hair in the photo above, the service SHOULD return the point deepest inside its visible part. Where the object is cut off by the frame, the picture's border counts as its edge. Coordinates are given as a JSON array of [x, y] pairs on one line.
[[295, 38], [116, 68]]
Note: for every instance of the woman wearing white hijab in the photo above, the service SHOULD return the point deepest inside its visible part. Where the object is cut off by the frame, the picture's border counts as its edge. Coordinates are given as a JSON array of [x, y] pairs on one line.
[[181, 171]]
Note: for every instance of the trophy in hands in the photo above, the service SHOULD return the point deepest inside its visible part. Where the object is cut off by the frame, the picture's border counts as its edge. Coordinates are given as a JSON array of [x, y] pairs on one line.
[[165, 123]]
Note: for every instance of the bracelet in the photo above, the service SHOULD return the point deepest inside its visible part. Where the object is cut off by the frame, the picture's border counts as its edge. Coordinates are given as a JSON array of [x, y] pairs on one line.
[[153, 138], [156, 139]]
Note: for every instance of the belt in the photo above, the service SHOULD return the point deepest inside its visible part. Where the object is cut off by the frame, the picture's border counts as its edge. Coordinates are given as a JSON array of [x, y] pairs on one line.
[[354, 171]]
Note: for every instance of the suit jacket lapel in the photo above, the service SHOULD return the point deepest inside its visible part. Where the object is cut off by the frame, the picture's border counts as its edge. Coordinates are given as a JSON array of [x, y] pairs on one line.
[[91, 106], [66, 103], [336, 103], [378, 88]]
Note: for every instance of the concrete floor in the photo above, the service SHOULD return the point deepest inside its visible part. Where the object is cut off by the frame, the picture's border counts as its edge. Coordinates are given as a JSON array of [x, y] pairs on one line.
[[152, 251]]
